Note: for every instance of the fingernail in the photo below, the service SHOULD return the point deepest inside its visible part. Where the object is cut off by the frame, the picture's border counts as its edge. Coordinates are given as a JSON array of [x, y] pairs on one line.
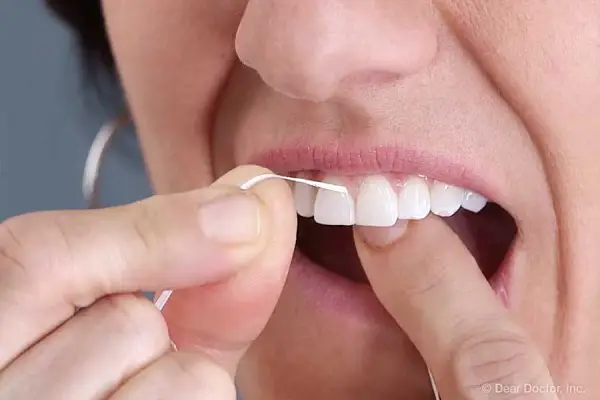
[[379, 237], [232, 219]]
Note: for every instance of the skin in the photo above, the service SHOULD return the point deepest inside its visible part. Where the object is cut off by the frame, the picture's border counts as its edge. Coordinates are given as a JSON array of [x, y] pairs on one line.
[[508, 88]]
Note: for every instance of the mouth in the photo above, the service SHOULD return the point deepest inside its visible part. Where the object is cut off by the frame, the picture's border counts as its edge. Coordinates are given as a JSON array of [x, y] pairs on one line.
[[326, 218], [385, 186]]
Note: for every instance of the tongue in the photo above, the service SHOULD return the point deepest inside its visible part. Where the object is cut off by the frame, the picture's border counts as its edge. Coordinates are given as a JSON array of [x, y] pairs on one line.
[[487, 235]]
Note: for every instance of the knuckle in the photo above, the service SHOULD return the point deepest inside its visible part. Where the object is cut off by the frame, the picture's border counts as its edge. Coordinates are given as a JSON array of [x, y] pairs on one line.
[[17, 266], [504, 359], [34, 250], [10, 246], [135, 317], [143, 225]]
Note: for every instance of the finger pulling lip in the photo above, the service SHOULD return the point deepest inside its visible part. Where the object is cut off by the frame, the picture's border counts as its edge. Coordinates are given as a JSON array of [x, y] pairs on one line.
[[332, 294]]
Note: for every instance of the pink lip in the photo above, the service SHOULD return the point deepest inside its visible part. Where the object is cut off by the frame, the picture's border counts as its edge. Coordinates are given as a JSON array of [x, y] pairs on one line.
[[347, 160], [335, 294]]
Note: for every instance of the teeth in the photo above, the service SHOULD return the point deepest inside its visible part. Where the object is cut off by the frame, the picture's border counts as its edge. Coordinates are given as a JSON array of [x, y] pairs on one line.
[[304, 197], [376, 203], [414, 201], [379, 204], [445, 199], [474, 202], [332, 208]]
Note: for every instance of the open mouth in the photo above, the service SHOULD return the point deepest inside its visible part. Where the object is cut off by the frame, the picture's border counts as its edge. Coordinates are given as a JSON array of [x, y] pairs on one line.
[[326, 218]]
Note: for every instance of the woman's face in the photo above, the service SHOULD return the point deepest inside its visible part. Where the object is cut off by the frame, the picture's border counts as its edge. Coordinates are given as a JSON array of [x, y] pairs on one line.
[[499, 97]]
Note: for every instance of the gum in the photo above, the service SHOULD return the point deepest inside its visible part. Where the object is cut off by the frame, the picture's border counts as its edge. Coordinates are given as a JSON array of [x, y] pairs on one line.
[[352, 183]]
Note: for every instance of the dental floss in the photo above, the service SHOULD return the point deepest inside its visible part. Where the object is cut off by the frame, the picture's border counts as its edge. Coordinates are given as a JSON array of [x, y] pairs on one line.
[[436, 393], [162, 299], [321, 185]]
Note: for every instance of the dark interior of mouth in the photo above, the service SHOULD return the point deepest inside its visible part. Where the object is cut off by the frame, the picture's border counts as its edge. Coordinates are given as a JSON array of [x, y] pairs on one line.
[[488, 235]]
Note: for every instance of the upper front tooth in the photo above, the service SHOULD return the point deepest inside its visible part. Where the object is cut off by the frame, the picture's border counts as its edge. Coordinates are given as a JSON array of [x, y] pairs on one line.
[[445, 199], [304, 198], [414, 201], [334, 208], [474, 202], [376, 203]]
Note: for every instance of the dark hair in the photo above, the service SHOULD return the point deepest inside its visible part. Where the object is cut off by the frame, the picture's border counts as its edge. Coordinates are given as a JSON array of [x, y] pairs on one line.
[[87, 21]]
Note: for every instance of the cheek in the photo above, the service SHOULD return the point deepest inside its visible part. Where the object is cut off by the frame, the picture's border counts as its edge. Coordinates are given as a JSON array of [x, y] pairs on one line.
[[173, 58], [546, 63]]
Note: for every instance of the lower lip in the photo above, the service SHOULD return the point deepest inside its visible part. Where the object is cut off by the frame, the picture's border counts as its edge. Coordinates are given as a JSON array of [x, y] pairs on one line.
[[500, 281], [334, 294], [337, 295]]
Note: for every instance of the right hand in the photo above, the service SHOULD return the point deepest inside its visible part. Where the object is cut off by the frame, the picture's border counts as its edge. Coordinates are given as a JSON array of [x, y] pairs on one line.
[[117, 345], [431, 285]]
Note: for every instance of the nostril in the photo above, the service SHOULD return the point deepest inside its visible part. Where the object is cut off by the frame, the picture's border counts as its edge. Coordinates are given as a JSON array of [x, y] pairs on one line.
[[299, 82], [370, 78], [304, 92]]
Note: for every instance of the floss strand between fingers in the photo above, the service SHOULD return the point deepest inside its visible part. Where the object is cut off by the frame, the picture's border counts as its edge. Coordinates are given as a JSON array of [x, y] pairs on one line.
[[436, 393]]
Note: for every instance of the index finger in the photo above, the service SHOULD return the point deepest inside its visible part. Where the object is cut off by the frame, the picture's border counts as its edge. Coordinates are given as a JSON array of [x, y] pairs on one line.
[[429, 282]]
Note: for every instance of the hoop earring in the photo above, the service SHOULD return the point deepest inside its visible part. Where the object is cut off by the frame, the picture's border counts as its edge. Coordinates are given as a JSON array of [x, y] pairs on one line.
[[93, 163]]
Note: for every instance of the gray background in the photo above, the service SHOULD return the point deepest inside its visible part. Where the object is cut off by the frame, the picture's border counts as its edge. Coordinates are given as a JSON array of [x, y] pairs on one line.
[[49, 115]]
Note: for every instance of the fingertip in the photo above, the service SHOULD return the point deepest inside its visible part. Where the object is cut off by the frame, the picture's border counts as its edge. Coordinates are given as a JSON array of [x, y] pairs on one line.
[[413, 241], [276, 195]]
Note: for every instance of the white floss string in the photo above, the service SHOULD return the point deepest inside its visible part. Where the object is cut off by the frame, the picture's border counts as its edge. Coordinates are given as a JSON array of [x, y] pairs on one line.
[[321, 185], [166, 294], [162, 299], [436, 393]]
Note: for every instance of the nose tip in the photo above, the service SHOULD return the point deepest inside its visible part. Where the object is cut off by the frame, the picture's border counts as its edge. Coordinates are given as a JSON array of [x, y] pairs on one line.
[[309, 49]]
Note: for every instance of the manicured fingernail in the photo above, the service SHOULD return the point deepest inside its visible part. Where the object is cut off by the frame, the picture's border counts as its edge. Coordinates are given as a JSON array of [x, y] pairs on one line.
[[382, 237], [232, 219]]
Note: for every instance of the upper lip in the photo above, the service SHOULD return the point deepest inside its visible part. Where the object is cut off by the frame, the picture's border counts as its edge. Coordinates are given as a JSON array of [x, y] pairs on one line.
[[343, 159]]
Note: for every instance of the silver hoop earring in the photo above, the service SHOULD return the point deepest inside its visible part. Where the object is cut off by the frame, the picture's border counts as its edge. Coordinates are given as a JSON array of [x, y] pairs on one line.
[[95, 157]]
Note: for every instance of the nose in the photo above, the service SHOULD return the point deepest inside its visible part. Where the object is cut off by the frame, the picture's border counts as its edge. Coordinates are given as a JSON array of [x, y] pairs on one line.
[[309, 49]]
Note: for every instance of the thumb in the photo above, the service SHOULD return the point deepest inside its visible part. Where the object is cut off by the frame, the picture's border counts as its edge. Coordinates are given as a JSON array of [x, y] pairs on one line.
[[428, 281], [222, 319]]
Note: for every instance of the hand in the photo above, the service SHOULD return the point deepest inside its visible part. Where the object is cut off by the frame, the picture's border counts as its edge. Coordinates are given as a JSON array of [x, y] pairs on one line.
[[234, 247], [429, 282]]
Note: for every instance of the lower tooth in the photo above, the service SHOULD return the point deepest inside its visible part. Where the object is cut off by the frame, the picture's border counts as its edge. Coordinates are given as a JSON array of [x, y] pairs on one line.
[[445, 199]]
